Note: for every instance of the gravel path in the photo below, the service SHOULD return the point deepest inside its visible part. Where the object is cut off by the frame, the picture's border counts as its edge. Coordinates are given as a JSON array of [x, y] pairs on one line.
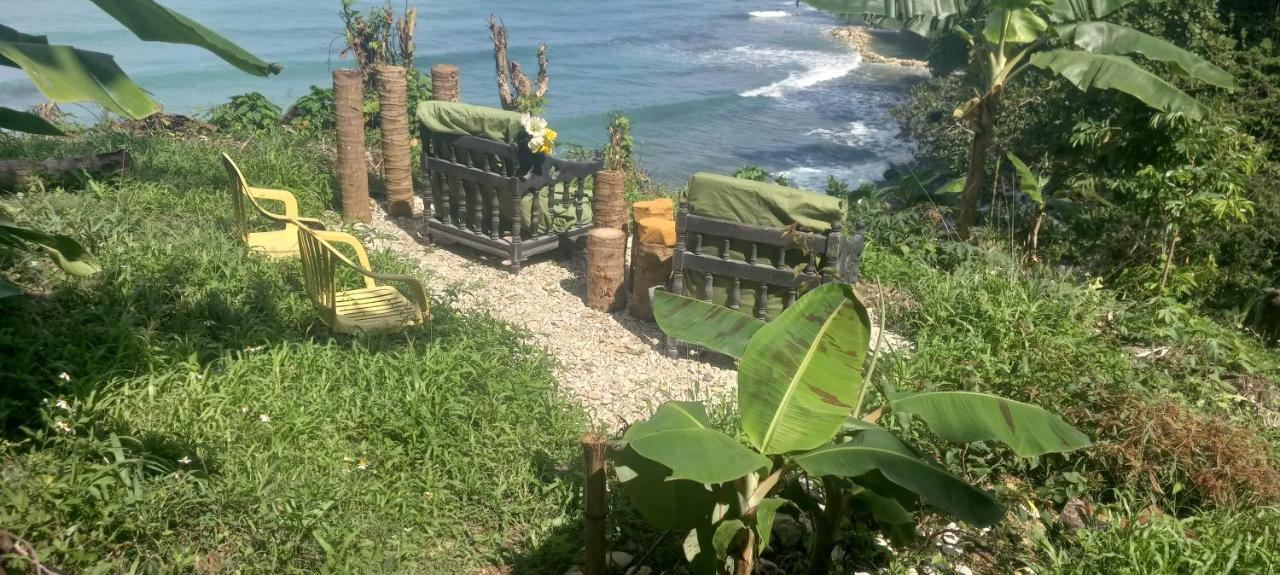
[[612, 364]]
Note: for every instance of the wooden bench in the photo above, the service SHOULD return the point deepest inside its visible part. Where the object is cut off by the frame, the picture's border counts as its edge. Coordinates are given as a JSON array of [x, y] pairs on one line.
[[771, 266], [477, 188]]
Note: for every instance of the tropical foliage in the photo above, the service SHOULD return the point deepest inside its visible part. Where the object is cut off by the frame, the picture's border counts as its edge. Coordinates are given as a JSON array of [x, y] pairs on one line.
[[811, 445], [1071, 39]]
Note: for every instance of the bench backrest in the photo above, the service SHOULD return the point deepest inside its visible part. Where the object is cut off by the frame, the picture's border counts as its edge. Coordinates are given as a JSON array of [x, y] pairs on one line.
[[758, 270]]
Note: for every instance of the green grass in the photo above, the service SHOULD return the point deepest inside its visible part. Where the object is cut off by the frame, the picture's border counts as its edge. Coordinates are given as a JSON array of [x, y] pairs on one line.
[[445, 449]]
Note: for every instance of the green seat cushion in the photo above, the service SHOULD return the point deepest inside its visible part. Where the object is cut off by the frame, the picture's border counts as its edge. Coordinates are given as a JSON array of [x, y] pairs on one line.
[[468, 120], [762, 204]]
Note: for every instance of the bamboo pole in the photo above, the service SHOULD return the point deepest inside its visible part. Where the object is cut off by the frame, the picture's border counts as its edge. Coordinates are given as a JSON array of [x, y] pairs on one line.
[[444, 83], [394, 110], [593, 451], [353, 174]]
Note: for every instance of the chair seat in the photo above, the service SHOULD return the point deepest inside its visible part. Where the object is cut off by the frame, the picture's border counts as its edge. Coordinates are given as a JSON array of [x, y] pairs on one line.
[[276, 244], [380, 309]]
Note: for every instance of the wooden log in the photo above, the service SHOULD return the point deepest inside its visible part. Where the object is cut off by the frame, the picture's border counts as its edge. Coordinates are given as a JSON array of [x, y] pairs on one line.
[[593, 458], [353, 171], [608, 206], [444, 83], [394, 111], [16, 174], [650, 266], [606, 268]]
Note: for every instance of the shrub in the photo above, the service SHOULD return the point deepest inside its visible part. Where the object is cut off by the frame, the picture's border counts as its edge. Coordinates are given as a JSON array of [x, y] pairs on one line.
[[246, 112]]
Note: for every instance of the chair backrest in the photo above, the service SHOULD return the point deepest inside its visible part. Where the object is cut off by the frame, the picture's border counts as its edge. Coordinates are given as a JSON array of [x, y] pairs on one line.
[[239, 190], [763, 269], [319, 271]]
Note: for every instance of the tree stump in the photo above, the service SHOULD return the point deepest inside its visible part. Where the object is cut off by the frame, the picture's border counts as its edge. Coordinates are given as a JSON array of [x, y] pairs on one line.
[[650, 266], [606, 268], [394, 110], [608, 206], [444, 83], [353, 172]]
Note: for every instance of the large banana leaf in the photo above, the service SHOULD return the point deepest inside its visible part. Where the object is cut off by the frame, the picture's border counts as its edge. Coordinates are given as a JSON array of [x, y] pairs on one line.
[[155, 23], [965, 416], [1088, 70], [714, 327], [11, 119], [65, 251], [766, 512], [1030, 184], [879, 450], [1108, 38], [66, 74], [922, 18], [1081, 10], [1024, 26], [679, 437], [675, 504], [801, 374]]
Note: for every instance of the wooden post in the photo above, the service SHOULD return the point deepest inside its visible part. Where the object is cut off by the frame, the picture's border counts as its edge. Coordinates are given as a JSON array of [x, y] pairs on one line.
[[650, 266], [606, 268], [593, 451], [444, 83], [394, 110], [353, 173], [608, 206]]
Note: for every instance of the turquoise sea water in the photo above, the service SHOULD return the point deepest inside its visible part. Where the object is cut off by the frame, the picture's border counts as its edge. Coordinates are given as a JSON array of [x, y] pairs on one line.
[[709, 84]]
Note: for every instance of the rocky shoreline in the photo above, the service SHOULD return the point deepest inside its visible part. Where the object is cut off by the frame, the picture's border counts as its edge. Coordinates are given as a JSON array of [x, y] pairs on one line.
[[859, 37]]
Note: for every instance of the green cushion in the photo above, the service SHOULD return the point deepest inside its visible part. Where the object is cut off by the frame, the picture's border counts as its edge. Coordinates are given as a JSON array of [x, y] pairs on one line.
[[468, 120], [762, 204]]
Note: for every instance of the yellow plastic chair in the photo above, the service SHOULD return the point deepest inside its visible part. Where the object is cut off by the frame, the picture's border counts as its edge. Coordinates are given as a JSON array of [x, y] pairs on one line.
[[371, 309], [274, 244]]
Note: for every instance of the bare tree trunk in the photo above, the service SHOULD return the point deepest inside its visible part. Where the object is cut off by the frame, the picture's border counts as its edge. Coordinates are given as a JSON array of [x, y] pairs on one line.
[[606, 268], [353, 175], [1168, 262], [444, 83], [1033, 235], [983, 134], [498, 33], [512, 82], [394, 110], [826, 525], [404, 34], [593, 448], [14, 174], [746, 559]]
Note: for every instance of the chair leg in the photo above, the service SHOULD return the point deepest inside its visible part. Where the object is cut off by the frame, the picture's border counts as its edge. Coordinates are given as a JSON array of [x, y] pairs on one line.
[[514, 267], [672, 348]]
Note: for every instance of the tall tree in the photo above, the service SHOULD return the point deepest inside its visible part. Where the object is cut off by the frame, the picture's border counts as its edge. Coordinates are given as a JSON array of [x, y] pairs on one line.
[[1069, 38]]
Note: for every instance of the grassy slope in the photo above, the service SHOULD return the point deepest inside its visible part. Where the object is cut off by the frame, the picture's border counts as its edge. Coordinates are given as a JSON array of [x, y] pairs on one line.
[[181, 345], [980, 322]]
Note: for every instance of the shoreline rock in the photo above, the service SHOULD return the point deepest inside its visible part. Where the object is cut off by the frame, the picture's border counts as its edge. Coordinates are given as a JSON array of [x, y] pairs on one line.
[[859, 38]]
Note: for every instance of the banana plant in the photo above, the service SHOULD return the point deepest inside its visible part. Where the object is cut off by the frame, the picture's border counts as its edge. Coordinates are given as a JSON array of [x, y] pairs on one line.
[[1033, 186], [810, 445], [65, 251], [68, 74], [1068, 38]]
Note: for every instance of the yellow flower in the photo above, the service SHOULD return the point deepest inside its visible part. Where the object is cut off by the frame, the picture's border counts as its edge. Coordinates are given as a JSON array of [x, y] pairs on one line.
[[548, 140]]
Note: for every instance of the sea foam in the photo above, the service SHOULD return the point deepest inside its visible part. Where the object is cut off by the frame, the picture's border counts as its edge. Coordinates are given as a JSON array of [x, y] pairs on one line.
[[817, 67], [769, 14]]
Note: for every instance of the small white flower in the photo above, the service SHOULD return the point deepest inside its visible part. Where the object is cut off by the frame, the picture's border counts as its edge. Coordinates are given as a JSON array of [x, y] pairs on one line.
[[185, 460], [244, 409], [264, 418], [254, 348], [64, 377], [63, 405], [362, 464], [63, 426]]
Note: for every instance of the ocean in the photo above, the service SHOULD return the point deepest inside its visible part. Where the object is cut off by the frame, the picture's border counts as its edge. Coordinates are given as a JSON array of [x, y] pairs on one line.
[[709, 85]]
